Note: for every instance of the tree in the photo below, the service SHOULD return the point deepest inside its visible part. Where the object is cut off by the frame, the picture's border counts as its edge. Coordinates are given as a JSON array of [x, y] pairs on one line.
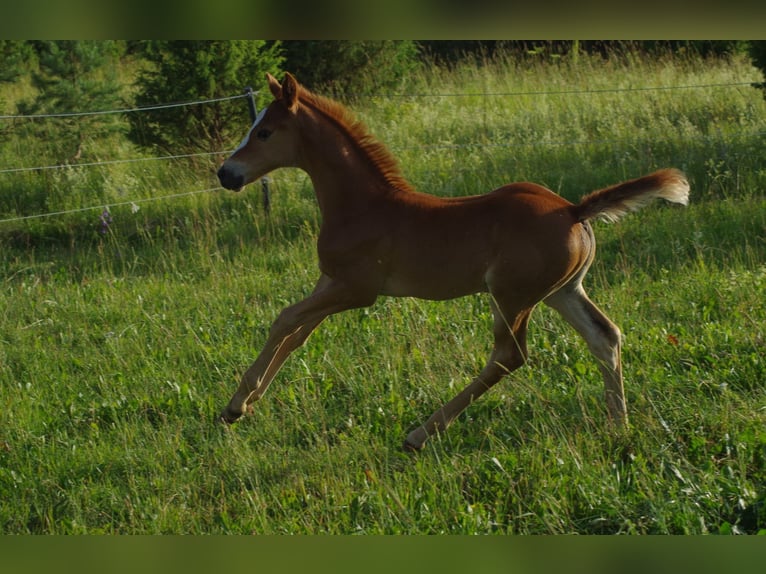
[[187, 71], [757, 50], [14, 63], [73, 76], [14, 59], [344, 67]]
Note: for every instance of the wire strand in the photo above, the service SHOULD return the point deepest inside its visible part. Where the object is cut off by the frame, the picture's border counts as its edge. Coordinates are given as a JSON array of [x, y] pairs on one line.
[[227, 98], [112, 162], [414, 95], [122, 111], [107, 205]]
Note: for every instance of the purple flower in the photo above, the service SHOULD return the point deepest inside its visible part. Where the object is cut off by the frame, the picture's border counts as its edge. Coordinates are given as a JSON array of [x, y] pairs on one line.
[[106, 220]]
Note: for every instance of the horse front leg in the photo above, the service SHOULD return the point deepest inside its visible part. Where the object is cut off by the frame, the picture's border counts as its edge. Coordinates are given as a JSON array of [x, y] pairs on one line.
[[261, 373], [287, 333]]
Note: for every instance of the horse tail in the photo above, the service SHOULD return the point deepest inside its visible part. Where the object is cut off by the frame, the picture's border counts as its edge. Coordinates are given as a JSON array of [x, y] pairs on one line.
[[613, 202]]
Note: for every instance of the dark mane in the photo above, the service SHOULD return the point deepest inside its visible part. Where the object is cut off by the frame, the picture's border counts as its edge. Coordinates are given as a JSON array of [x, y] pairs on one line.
[[378, 154]]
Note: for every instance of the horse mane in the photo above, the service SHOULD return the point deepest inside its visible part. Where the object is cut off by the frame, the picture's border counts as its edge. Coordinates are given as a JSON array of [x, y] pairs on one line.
[[382, 160]]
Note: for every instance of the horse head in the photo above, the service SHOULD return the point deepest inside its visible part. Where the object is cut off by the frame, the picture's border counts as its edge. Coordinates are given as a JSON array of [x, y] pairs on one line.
[[270, 143]]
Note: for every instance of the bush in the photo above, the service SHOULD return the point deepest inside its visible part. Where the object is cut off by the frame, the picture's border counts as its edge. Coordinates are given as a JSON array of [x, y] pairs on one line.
[[757, 52], [73, 75], [14, 59], [183, 71], [344, 68]]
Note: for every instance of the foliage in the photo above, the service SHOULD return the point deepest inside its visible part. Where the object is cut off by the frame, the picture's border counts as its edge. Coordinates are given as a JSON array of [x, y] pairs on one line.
[[183, 71], [347, 68], [758, 54], [14, 59], [72, 76], [56, 79]]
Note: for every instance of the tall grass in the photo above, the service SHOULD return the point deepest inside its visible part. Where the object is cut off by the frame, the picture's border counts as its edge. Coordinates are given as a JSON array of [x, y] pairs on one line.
[[119, 343]]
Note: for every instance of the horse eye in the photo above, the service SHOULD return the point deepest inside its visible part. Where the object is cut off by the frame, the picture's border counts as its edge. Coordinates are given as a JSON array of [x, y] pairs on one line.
[[263, 135]]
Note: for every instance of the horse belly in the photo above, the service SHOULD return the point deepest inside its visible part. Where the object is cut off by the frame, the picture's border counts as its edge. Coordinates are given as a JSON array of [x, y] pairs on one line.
[[436, 274]]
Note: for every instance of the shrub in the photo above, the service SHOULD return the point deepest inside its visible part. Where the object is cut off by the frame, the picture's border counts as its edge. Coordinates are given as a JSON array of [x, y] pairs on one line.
[[183, 71], [345, 67]]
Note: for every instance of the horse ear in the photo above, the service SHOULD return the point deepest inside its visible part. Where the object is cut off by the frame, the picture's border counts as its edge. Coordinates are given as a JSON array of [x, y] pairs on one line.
[[290, 90], [276, 89]]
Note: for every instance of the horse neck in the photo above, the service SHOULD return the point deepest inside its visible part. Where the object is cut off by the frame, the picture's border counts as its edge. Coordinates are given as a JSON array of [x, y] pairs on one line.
[[344, 177]]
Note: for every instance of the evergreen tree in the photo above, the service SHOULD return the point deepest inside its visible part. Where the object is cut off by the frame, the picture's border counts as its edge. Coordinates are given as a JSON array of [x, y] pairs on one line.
[[345, 67], [73, 76], [15, 56], [185, 71], [757, 51]]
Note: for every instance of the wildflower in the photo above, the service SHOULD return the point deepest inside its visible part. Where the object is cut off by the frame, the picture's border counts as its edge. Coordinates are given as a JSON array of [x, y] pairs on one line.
[[106, 220]]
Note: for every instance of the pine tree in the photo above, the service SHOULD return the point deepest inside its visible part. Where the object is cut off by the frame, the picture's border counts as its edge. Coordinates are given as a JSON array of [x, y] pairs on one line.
[[14, 59], [345, 67], [73, 76], [185, 71], [757, 51]]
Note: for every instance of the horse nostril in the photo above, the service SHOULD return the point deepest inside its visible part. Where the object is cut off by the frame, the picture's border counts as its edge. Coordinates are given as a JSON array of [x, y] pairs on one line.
[[230, 180]]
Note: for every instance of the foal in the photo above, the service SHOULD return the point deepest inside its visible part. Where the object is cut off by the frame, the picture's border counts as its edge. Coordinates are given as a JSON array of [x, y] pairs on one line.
[[522, 243]]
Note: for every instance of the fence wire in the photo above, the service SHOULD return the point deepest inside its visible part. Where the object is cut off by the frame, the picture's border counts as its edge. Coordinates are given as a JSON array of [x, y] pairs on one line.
[[122, 111], [18, 170]]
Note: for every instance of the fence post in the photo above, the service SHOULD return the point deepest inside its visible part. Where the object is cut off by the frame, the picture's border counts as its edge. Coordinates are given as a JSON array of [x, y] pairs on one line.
[[251, 103], [264, 180]]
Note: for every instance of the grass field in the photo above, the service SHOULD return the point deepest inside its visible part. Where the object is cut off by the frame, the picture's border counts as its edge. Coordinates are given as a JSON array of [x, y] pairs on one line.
[[121, 341]]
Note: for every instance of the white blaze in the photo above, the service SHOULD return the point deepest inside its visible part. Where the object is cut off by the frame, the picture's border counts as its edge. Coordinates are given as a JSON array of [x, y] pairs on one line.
[[247, 137]]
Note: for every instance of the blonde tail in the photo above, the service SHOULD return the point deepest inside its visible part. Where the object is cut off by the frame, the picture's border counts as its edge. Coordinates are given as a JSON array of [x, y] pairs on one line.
[[613, 202]]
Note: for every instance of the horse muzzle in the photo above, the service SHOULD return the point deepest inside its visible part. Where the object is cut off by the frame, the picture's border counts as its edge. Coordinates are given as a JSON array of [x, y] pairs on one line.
[[230, 179]]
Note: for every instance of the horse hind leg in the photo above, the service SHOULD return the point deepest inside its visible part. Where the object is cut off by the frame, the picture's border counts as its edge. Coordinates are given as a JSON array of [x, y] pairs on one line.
[[508, 354], [603, 339]]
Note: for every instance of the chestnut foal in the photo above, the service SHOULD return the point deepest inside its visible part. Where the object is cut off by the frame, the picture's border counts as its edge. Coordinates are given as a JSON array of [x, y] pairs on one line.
[[522, 243]]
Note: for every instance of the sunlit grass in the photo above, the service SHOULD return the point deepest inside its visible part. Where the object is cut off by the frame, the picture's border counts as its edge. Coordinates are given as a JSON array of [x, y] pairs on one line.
[[120, 343]]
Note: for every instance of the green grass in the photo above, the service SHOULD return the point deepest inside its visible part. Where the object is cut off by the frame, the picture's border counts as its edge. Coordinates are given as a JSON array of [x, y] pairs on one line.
[[118, 350]]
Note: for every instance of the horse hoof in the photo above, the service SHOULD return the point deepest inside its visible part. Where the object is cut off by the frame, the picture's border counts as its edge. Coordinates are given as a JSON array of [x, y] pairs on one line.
[[407, 446], [227, 418]]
